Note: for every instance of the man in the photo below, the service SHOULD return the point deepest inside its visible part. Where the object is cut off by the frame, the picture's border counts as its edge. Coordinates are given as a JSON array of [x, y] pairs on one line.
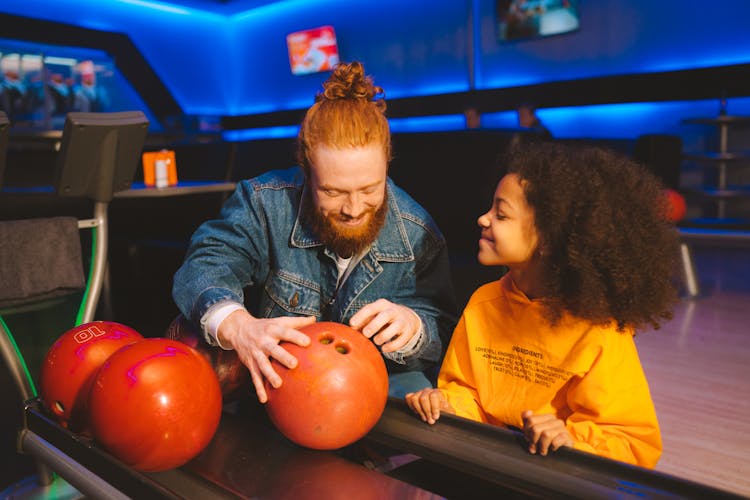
[[334, 240]]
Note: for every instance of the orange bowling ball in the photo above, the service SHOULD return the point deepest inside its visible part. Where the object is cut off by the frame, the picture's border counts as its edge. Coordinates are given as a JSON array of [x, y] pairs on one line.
[[155, 404], [71, 363], [676, 206], [335, 394]]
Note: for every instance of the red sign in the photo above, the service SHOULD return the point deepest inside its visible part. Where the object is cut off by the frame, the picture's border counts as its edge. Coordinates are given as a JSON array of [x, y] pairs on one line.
[[312, 50]]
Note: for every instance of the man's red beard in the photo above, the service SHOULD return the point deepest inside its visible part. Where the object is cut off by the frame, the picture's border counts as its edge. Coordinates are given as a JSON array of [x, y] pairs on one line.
[[343, 240]]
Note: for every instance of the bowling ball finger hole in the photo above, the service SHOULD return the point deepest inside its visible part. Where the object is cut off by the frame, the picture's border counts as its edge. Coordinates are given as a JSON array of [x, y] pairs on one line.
[[58, 408], [325, 339], [341, 347]]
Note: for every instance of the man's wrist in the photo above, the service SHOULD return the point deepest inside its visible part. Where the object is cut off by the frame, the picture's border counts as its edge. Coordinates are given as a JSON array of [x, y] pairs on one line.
[[214, 317], [410, 346]]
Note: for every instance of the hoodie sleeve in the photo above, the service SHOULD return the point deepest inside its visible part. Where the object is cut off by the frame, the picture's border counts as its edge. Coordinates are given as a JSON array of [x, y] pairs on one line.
[[457, 379], [612, 411]]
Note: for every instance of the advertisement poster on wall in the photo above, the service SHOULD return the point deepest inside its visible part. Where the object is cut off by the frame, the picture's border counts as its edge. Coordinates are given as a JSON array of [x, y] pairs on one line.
[[313, 50]]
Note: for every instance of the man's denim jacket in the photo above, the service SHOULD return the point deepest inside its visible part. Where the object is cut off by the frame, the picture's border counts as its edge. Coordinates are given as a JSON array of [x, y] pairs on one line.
[[261, 253]]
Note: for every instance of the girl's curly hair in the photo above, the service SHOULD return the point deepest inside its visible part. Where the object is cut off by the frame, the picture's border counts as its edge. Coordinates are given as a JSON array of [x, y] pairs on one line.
[[349, 112], [608, 249]]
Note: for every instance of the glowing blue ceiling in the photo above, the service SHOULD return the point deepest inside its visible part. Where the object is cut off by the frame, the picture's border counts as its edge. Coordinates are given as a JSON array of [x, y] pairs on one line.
[[230, 58], [222, 6]]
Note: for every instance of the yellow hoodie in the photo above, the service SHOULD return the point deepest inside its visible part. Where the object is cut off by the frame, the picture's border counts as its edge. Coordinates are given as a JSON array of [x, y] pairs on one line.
[[504, 358]]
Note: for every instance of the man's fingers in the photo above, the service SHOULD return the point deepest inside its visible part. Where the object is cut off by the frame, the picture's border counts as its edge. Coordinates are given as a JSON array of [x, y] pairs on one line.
[[287, 330], [266, 369], [281, 355], [365, 315], [390, 338], [377, 324], [296, 321], [258, 383]]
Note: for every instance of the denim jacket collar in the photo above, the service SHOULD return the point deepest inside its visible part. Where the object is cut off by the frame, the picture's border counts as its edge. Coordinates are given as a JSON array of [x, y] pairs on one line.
[[391, 245]]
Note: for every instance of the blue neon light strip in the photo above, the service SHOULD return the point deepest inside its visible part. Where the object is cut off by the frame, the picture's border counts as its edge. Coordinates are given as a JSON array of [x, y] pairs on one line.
[[171, 9], [612, 121], [427, 123], [256, 134]]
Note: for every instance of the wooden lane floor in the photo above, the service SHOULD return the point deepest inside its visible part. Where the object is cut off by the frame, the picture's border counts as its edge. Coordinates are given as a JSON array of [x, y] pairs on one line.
[[698, 367]]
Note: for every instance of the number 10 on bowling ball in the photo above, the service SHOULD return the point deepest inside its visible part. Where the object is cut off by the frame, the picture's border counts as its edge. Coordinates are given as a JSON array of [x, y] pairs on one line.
[[336, 393]]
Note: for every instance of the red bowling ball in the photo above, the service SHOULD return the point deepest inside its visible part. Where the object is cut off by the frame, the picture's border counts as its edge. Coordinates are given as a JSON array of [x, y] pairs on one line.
[[676, 206], [71, 363], [155, 404], [234, 377], [335, 394]]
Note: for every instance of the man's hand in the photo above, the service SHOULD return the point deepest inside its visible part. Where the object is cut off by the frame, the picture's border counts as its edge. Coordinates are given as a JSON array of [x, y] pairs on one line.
[[389, 325], [257, 340], [428, 403], [545, 432]]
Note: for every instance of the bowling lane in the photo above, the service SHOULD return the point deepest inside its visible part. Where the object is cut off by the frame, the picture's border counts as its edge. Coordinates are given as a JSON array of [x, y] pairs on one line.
[[249, 458], [478, 456]]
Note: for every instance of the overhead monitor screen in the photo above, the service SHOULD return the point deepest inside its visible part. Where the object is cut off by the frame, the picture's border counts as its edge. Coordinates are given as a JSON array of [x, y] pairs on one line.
[[522, 19]]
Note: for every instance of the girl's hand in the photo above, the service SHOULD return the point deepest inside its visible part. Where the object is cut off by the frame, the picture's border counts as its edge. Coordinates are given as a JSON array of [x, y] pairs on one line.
[[545, 432], [428, 403]]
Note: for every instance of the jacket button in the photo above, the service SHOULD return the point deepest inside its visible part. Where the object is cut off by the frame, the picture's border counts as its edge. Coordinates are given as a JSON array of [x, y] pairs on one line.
[[294, 301]]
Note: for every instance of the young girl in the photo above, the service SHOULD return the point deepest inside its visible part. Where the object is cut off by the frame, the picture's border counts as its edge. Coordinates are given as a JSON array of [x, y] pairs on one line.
[[549, 347]]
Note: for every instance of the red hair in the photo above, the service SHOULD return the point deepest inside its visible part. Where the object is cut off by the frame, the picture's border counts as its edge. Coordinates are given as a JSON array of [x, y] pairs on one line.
[[350, 112]]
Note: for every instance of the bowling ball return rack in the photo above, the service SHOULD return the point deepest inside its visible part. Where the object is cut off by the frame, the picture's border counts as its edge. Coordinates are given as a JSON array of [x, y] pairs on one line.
[[249, 458]]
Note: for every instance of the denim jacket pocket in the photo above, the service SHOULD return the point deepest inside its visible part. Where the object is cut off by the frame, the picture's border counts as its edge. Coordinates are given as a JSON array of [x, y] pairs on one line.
[[288, 293]]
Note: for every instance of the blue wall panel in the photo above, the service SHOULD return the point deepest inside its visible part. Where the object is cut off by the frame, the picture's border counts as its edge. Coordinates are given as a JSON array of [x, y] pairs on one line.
[[410, 48], [619, 37], [218, 63]]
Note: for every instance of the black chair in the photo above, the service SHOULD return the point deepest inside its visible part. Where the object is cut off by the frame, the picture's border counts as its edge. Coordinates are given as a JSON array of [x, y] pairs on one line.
[[662, 154], [98, 156]]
